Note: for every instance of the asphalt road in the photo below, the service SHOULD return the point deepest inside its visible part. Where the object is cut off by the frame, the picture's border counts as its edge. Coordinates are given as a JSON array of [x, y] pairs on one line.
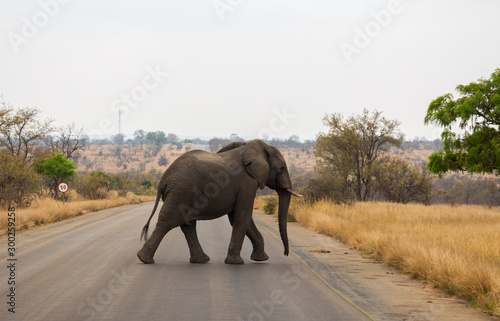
[[87, 269]]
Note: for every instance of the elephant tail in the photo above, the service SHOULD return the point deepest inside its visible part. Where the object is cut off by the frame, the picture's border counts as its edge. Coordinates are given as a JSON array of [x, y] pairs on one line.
[[144, 233]]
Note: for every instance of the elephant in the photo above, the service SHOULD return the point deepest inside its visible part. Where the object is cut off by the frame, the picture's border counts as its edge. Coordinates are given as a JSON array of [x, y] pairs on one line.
[[200, 185]]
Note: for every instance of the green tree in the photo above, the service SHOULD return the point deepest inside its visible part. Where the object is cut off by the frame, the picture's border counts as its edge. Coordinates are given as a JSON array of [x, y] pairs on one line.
[[471, 123], [56, 168], [158, 138], [351, 147]]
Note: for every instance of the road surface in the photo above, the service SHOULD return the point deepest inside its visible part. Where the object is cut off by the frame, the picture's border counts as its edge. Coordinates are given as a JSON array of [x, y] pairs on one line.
[[87, 269]]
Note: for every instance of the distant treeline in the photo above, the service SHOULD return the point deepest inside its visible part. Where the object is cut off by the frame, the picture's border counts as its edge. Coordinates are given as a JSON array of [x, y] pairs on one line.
[[160, 138]]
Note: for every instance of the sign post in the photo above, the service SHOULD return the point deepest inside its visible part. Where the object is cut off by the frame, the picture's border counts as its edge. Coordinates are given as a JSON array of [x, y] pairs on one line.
[[63, 188]]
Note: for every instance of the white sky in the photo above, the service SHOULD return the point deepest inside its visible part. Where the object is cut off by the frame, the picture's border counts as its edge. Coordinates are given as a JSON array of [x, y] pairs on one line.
[[242, 73]]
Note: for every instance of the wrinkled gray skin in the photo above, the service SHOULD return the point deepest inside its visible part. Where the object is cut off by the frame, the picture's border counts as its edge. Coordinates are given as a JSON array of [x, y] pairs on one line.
[[202, 186]]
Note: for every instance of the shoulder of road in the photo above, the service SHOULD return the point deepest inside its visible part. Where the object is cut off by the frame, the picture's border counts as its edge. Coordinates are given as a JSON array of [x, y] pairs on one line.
[[380, 291]]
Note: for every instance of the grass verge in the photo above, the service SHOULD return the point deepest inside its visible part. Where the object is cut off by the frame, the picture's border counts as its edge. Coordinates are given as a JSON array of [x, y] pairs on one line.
[[456, 249], [47, 210]]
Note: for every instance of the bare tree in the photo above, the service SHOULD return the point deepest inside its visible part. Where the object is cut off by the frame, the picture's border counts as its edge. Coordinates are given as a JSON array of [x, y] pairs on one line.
[[140, 136], [399, 181], [21, 129], [490, 193], [172, 138], [70, 141], [118, 139], [352, 146]]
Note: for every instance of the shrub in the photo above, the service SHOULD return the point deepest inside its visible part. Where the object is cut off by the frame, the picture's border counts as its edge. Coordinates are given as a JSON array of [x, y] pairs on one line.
[[17, 181], [145, 183], [147, 191], [163, 161], [90, 183], [271, 204]]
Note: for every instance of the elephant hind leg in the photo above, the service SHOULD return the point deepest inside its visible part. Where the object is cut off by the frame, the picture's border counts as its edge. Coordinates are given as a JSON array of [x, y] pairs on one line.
[[149, 248], [165, 223], [195, 250]]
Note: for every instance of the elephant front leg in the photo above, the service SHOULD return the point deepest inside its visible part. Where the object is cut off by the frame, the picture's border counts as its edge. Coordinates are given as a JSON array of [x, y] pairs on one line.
[[195, 250], [240, 224], [258, 253]]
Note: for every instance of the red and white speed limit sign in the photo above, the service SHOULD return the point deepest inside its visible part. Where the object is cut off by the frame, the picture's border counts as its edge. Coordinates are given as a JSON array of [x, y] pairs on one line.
[[63, 187]]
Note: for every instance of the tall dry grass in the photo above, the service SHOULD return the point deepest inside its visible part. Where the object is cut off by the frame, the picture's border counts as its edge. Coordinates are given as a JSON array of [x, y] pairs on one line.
[[454, 248], [47, 210]]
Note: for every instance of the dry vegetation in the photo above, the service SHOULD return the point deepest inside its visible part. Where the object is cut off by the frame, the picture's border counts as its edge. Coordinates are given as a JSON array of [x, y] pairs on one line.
[[47, 210], [104, 158], [454, 248], [259, 203]]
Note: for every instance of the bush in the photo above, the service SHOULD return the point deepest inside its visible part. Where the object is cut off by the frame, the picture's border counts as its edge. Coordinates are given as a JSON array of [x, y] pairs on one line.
[[328, 186], [401, 182], [271, 204], [88, 186], [145, 183], [120, 182], [17, 181], [163, 161], [146, 191]]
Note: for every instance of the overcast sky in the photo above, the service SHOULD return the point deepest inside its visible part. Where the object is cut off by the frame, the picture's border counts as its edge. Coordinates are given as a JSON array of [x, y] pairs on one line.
[[251, 67]]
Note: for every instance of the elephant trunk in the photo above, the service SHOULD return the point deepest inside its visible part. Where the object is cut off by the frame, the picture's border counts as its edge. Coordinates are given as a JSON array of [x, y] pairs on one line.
[[284, 203]]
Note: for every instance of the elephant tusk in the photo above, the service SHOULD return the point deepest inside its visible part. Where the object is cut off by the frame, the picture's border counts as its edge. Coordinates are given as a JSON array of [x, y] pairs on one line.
[[293, 193]]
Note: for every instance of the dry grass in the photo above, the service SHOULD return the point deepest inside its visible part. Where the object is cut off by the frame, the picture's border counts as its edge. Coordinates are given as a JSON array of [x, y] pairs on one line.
[[47, 210], [454, 248], [259, 203]]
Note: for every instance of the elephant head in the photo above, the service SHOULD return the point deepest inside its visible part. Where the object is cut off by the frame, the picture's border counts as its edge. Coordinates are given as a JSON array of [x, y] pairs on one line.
[[268, 167]]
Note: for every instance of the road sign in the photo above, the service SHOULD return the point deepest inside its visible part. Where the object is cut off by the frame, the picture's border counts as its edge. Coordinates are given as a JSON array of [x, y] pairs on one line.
[[63, 187]]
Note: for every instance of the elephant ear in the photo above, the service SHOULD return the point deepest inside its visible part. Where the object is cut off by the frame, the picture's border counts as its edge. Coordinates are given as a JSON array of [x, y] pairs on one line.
[[255, 159]]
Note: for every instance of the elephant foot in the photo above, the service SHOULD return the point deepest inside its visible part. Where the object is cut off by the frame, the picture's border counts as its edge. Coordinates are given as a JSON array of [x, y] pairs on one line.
[[145, 258], [203, 258], [259, 256], [234, 260]]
